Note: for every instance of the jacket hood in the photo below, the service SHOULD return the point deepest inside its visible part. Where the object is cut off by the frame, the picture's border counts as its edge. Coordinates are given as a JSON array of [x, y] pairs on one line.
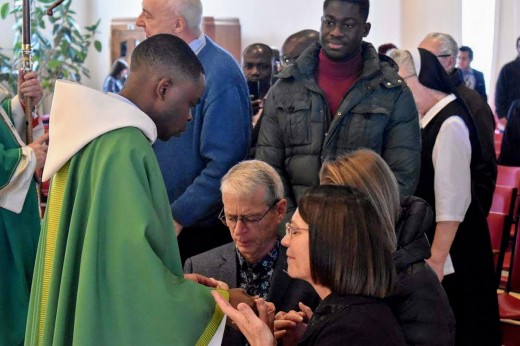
[[377, 68], [415, 221], [80, 115]]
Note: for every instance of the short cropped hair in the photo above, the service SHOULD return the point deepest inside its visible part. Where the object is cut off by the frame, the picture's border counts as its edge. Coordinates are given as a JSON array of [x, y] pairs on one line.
[[368, 172], [190, 10], [364, 6], [246, 177], [262, 46], [448, 43], [166, 51], [467, 49], [348, 250]]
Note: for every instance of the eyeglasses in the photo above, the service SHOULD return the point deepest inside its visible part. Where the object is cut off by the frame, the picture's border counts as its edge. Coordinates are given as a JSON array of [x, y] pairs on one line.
[[291, 231], [443, 55], [288, 60], [231, 221]]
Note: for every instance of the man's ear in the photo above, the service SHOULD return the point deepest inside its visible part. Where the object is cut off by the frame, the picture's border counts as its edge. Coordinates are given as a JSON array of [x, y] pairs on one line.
[[164, 85], [367, 29], [281, 209], [179, 25]]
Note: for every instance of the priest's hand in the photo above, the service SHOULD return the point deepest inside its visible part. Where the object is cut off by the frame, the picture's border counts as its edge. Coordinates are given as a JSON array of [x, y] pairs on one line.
[[178, 227], [255, 328], [29, 86], [39, 147], [204, 280], [239, 295]]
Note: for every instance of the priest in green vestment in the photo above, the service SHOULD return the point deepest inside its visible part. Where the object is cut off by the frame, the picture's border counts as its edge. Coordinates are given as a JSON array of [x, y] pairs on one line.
[[19, 210], [108, 270]]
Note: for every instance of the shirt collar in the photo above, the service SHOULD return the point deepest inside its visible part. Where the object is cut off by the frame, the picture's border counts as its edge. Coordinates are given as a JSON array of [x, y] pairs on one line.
[[266, 262], [436, 109], [197, 44]]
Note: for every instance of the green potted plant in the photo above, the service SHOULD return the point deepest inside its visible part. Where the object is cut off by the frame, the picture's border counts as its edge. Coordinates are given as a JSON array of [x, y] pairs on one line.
[[59, 46]]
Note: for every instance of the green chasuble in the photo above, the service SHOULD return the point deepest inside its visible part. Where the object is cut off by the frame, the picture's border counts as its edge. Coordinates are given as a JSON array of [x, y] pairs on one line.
[[111, 274], [19, 232]]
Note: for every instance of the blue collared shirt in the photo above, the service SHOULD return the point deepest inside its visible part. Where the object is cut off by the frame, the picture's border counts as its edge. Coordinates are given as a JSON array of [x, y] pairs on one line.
[[197, 44]]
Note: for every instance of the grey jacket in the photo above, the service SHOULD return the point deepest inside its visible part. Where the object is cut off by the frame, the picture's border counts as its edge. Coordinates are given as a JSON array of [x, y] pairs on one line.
[[378, 112]]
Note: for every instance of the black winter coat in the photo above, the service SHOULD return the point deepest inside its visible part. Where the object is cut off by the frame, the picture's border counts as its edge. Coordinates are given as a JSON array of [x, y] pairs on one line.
[[419, 301], [378, 113]]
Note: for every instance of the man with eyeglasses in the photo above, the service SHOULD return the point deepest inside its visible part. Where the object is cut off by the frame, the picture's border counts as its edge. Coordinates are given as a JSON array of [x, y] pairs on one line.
[[446, 49], [295, 44], [254, 207], [339, 96]]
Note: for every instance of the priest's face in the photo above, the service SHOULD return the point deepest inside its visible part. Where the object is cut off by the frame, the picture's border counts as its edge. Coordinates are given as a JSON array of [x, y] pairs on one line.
[[175, 104]]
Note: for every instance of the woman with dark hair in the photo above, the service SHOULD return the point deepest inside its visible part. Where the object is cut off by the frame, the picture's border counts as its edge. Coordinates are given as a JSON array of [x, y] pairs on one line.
[[117, 77], [419, 302], [339, 243]]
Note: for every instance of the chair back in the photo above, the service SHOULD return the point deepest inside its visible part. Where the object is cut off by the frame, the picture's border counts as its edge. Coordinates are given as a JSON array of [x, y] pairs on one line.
[[514, 271], [499, 225], [503, 200]]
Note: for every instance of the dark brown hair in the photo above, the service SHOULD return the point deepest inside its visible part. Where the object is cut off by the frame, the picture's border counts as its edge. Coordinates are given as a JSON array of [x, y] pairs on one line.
[[348, 243]]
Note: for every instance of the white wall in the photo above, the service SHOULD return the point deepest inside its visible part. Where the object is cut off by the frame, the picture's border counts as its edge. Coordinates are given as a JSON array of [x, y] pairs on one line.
[[420, 17], [266, 21], [403, 22]]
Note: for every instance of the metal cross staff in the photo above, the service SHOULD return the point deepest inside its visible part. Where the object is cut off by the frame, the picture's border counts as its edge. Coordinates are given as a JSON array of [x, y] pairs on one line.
[[27, 61]]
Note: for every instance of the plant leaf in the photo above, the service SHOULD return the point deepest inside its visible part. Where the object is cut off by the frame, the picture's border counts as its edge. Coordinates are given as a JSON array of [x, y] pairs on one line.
[[98, 45], [4, 10], [53, 64]]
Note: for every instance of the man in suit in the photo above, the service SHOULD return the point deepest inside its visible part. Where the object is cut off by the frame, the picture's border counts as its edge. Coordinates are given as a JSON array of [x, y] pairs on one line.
[[254, 206], [472, 78]]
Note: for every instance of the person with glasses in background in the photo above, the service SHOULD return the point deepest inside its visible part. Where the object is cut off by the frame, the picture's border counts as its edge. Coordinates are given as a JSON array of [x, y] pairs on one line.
[[254, 206], [341, 244], [295, 44]]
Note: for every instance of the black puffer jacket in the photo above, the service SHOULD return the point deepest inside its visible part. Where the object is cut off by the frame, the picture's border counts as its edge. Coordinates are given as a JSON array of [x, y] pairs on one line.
[[378, 112], [419, 301]]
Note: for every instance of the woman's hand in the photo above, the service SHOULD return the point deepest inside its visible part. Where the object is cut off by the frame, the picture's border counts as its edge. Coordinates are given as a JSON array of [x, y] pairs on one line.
[[290, 326], [255, 329]]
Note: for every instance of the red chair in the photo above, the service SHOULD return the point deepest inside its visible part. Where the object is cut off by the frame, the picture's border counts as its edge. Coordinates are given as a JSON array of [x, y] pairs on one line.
[[499, 225], [509, 302], [510, 176], [503, 200]]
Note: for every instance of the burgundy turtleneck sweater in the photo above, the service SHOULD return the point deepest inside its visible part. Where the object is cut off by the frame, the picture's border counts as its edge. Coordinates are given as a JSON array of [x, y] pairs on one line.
[[336, 78]]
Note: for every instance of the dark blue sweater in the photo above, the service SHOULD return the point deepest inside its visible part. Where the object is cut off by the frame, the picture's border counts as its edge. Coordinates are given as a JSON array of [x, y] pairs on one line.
[[216, 139]]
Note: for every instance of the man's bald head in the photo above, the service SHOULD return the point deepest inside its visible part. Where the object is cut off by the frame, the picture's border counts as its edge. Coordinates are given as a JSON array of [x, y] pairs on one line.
[[295, 44]]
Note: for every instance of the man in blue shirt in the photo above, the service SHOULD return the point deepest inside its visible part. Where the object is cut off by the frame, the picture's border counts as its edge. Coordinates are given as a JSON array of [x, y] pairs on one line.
[[215, 140]]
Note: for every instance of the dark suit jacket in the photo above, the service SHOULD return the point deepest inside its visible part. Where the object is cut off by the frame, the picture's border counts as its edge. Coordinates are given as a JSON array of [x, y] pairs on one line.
[[484, 121], [480, 83], [285, 292], [510, 151]]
